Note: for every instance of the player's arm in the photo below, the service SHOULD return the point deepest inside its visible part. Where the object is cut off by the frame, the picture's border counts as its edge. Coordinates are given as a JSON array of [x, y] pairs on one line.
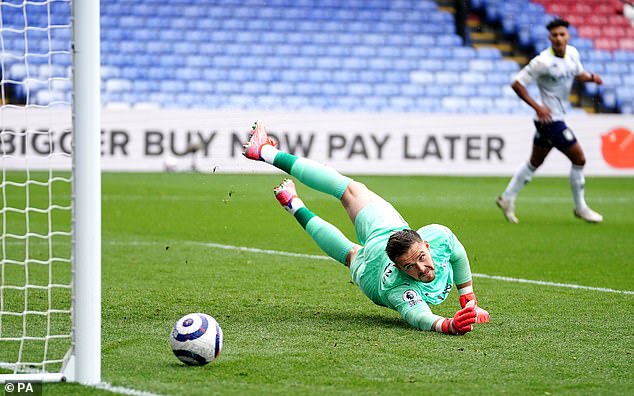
[[530, 73], [590, 77], [462, 277], [543, 112], [417, 313]]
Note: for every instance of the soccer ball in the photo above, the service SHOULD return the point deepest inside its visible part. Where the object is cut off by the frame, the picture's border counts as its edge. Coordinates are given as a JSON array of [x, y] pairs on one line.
[[196, 339]]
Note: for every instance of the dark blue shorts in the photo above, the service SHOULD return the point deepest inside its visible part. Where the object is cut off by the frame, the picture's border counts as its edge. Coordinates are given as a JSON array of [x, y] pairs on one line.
[[556, 134]]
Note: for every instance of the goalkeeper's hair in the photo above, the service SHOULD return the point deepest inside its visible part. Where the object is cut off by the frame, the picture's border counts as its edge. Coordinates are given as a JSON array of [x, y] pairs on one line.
[[400, 242], [558, 22]]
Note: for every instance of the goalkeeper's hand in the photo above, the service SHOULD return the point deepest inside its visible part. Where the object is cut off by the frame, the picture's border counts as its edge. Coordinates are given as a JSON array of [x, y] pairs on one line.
[[462, 322], [482, 315]]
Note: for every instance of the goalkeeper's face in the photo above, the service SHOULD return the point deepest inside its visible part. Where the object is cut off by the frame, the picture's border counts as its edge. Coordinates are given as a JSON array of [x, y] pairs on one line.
[[417, 262]]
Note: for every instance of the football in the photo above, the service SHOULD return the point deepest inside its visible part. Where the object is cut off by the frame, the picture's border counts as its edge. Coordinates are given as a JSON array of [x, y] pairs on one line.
[[196, 339]]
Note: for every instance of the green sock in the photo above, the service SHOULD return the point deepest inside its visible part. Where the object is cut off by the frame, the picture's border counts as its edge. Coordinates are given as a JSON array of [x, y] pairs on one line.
[[328, 237], [313, 174]]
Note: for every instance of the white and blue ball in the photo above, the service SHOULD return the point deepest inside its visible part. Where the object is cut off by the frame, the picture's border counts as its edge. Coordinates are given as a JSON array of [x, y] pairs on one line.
[[196, 339]]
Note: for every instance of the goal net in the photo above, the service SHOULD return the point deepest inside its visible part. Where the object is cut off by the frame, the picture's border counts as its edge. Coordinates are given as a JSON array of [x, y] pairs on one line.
[[49, 191]]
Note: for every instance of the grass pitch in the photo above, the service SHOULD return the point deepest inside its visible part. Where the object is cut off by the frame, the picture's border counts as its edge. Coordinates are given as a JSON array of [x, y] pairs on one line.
[[295, 324]]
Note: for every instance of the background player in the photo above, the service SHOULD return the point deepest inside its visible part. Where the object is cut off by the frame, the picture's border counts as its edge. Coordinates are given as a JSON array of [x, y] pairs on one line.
[[554, 70], [394, 266]]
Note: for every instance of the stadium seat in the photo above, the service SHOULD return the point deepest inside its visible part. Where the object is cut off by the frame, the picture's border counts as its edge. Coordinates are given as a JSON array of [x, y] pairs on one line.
[[357, 89], [335, 54], [413, 90], [401, 103], [374, 103], [454, 105]]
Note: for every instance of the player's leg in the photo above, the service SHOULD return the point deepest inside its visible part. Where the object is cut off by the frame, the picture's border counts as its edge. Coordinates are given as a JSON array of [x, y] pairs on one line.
[[577, 184], [313, 174], [524, 174], [328, 237]]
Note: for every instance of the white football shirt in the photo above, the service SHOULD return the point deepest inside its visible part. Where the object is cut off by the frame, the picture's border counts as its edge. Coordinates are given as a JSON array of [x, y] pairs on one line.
[[554, 77]]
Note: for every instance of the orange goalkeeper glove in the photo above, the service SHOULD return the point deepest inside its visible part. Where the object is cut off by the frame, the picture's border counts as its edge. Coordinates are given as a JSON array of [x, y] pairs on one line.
[[462, 322], [482, 315]]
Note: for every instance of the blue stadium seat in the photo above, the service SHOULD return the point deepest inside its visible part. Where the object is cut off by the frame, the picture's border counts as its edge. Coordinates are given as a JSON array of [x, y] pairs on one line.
[[307, 89], [239, 101], [421, 77], [354, 63], [380, 63], [395, 77], [358, 89], [428, 104], [423, 40], [240, 75], [296, 102], [118, 85], [269, 102], [347, 76], [481, 65], [195, 86], [404, 65], [450, 40], [228, 87], [255, 88], [489, 90], [172, 86], [490, 53], [454, 105], [402, 103], [374, 103], [430, 64], [328, 63], [447, 78], [481, 105], [454, 65], [463, 91], [506, 105], [364, 51], [388, 53], [321, 102], [415, 52], [298, 48], [280, 88], [331, 89], [617, 68], [413, 90], [368, 76], [318, 75], [347, 103], [386, 90]]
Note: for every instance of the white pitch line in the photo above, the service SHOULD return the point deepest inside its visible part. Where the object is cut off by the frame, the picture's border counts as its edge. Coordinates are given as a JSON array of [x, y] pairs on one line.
[[553, 284], [321, 257], [123, 390]]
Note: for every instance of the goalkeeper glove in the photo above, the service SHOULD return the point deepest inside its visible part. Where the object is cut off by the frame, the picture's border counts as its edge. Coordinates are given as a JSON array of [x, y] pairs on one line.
[[482, 315], [462, 321]]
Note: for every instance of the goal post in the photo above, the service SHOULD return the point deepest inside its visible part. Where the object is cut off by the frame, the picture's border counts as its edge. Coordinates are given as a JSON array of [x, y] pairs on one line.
[[50, 192], [86, 193]]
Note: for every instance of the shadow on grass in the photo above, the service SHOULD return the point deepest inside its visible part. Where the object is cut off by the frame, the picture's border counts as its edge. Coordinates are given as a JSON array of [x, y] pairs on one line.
[[363, 318]]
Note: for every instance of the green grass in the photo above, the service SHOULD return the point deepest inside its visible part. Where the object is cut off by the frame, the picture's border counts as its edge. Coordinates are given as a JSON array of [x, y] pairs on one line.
[[296, 325]]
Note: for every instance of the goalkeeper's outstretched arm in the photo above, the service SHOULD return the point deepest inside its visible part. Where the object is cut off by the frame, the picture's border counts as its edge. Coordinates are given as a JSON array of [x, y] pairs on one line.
[[422, 318]]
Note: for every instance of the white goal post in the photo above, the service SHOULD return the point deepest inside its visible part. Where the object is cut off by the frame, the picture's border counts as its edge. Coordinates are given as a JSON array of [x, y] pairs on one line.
[[50, 268]]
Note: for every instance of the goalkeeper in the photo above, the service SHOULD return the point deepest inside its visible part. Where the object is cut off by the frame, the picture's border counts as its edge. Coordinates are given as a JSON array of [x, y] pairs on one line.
[[394, 266]]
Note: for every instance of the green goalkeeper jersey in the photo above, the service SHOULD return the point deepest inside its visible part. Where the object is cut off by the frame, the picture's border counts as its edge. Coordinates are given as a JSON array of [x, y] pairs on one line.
[[387, 286]]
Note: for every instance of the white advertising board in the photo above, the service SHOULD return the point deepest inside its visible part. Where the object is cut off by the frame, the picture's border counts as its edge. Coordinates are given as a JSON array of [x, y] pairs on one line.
[[354, 143]]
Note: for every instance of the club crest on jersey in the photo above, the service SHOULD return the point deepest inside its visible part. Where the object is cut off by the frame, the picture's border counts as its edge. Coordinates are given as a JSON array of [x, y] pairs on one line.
[[411, 297]]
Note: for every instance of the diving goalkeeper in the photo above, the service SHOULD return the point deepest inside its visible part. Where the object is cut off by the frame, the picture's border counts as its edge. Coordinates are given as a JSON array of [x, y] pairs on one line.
[[395, 266]]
